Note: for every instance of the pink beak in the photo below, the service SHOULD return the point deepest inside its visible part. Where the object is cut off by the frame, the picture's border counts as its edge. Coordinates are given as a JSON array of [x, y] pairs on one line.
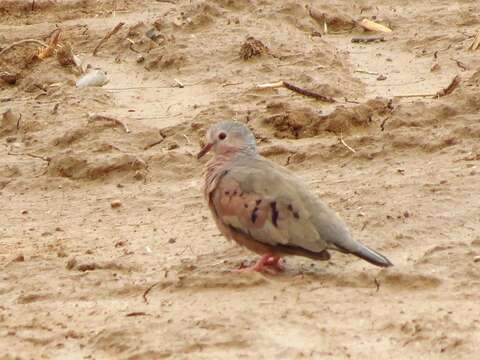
[[204, 150]]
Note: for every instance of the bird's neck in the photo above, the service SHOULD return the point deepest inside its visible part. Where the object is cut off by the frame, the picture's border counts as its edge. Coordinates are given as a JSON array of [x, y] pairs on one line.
[[219, 164]]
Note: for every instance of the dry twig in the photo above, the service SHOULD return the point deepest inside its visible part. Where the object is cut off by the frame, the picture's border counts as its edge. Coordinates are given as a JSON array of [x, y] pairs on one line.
[[153, 144], [475, 43], [346, 145], [449, 89], [44, 158], [368, 39], [373, 26], [108, 36], [443, 92], [144, 295], [231, 84], [43, 52], [298, 90], [414, 95], [95, 117], [179, 83], [366, 72], [460, 64], [26, 41]]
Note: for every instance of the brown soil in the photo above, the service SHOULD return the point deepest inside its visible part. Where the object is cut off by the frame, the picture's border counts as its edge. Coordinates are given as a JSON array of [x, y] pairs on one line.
[[92, 217]]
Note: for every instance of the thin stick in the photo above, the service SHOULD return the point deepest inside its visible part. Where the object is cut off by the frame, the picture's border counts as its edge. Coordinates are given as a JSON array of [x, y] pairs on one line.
[[153, 144], [18, 121], [460, 64], [296, 89], [35, 41], [94, 117], [44, 158], [144, 295], [346, 145], [308, 93], [131, 46], [368, 39], [449, 89], [179, 83], [108, 36], [231, 84], [138, 88], [366, 72], [270, 85], [414, 95], [153, 87], [475, 43]]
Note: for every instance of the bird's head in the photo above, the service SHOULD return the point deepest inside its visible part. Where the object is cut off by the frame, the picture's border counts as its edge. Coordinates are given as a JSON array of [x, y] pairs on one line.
[[229, 137]]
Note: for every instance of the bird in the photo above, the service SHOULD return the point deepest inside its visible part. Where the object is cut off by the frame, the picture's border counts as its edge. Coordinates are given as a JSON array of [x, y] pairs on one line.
[[268, 209]]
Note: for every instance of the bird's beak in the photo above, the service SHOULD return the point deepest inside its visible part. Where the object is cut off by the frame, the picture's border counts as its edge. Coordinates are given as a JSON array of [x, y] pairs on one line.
[[204, 150]]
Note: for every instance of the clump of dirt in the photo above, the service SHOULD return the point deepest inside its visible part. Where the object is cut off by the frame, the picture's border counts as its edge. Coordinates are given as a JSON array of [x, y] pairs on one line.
[[333, 18], [252, 48], [83, 166], [160, 59], [197, 15], [9, 122], [290, 121]]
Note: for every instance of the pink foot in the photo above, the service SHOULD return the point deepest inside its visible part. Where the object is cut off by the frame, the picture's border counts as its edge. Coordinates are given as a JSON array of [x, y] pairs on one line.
[[267, 263]]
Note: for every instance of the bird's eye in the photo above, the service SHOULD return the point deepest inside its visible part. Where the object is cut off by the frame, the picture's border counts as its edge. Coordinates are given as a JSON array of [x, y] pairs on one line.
[[222, 136]]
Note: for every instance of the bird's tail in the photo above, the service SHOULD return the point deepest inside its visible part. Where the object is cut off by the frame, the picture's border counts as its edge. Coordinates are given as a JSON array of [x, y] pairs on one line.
[[364, 253]]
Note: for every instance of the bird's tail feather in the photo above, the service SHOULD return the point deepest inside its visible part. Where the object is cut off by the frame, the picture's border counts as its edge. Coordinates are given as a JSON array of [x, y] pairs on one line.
[[366, 254]]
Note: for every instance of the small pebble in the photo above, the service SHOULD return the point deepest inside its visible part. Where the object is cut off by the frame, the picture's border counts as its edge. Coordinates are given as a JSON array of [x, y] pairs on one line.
[[172, 146], [476, 259], [381, 77], [71, 263], [115, 204], [172, 240], [19, 258], [24, 212], [120, 243], [61, 253]]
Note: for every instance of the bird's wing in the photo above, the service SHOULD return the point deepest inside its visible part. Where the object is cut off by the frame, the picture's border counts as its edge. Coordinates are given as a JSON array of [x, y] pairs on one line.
[[266, 203]]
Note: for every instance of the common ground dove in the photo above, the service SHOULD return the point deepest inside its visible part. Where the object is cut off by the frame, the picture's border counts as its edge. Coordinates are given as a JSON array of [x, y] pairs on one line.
[[266, 208]]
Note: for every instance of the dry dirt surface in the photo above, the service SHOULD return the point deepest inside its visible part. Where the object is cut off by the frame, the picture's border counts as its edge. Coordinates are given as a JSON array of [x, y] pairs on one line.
[[107, 248]]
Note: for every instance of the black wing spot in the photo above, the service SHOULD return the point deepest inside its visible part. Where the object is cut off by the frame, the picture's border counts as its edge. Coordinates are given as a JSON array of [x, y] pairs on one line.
[[253, 216], [234, 192], [290, 207], [295, 215], [258, 201], [227, 192], [245, 205], [275, 214]]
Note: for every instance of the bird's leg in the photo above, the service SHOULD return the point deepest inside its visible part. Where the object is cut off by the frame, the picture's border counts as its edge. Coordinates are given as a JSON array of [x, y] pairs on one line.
[[267, 263], [274, 262]]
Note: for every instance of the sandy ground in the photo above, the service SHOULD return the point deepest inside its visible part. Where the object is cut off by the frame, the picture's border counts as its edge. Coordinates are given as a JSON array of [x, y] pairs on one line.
[[75, 270]]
